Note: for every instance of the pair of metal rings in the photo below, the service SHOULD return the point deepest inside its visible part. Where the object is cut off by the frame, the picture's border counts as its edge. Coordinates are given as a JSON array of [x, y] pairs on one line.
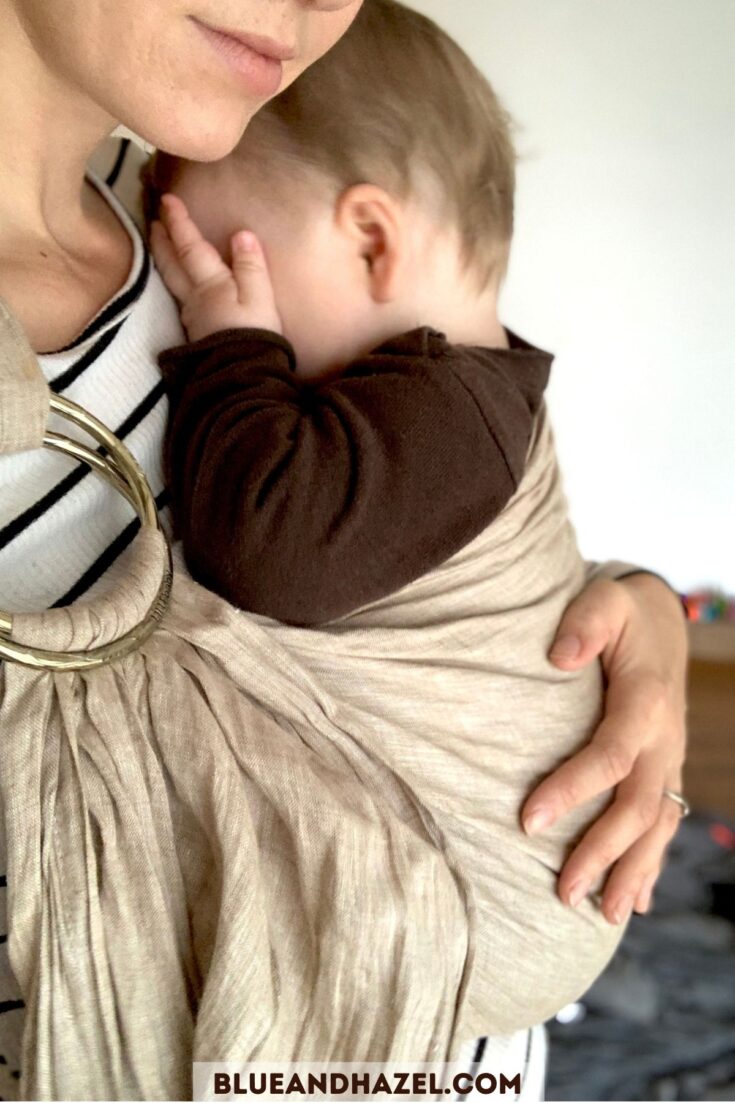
[[118, 467]]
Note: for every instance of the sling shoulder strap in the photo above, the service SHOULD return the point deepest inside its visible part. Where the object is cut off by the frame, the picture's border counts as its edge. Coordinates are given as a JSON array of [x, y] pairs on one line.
[[24, 392]]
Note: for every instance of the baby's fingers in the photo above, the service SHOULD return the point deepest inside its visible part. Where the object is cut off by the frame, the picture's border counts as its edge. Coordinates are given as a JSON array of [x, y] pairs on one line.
[[167, 263], [254, 286], [198, 258]]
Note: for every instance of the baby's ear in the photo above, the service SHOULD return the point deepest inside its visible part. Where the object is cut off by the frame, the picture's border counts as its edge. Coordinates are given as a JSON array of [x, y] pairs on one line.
[[374, 224]]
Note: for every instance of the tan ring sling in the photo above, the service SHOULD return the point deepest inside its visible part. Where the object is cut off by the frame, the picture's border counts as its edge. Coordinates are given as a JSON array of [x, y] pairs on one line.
[[204, 862]]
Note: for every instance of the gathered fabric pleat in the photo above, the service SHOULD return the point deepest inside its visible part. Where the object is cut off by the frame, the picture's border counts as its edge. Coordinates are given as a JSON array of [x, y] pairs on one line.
[[192, 877]]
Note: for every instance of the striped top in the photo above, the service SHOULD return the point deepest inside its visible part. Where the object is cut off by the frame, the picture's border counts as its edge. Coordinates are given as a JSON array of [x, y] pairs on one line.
[[61, 527]]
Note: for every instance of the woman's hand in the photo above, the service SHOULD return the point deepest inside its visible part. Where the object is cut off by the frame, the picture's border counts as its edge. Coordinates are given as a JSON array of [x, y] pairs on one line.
[[637, 627], [212, 296]]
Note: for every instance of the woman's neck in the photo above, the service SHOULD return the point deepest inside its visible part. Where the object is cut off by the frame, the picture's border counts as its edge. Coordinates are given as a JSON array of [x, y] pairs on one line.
[[63, 252], [48, 130]]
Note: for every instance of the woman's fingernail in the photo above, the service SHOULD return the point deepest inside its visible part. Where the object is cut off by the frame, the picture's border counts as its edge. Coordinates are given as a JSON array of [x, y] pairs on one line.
[[578, 891], [567, 648], [538, 820], [622, 910], [645, 892]]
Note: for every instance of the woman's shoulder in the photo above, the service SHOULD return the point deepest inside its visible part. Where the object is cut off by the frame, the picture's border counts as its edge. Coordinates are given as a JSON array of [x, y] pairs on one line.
[[117, 162]]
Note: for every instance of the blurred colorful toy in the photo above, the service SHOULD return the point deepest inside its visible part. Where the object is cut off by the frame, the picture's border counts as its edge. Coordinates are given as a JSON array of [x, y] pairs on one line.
[[707, 606]]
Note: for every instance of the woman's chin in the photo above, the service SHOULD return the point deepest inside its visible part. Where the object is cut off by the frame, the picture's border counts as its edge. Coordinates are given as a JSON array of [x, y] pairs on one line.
[[196, 135]]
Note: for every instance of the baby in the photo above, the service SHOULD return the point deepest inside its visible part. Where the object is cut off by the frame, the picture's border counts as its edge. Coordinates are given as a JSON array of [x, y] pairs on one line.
[[358, 455]]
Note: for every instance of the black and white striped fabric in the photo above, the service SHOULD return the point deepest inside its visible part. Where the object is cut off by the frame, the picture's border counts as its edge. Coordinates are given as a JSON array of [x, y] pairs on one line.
[[60, 527], [522, 1055], [63, 532]]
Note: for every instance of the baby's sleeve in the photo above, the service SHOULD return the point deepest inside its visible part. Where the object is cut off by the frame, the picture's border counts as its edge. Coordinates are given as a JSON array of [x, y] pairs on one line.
[[304, 501]]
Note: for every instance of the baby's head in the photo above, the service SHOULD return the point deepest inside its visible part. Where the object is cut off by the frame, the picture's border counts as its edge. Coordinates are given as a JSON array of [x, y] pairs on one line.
[[380, 185]]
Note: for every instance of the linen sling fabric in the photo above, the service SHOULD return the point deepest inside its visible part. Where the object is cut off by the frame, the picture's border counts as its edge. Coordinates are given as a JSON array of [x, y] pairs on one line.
[[447, 682], [62, 531], [24, 395], [216, 851], [190, 879]]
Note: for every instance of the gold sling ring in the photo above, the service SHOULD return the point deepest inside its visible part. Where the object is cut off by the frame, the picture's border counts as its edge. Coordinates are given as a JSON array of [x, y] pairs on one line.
[[119, 467]]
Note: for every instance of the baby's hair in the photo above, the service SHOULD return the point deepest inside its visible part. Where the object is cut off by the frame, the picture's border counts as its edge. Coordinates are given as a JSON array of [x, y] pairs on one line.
[[395, 102]]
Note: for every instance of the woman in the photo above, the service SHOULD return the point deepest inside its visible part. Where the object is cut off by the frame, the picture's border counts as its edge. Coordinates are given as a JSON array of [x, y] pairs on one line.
[[75, 273]]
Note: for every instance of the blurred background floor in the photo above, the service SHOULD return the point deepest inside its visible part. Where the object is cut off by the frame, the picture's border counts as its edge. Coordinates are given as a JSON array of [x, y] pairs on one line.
[[660, 1023]]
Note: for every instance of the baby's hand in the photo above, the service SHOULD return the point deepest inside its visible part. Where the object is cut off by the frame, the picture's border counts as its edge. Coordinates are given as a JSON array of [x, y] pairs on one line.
[[211, 295]]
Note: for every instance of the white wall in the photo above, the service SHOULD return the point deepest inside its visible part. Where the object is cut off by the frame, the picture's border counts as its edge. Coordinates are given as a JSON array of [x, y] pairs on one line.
[[624, 259]]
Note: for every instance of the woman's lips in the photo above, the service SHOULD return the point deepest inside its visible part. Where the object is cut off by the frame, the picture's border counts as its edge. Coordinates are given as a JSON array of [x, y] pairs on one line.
[[257, 62]]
